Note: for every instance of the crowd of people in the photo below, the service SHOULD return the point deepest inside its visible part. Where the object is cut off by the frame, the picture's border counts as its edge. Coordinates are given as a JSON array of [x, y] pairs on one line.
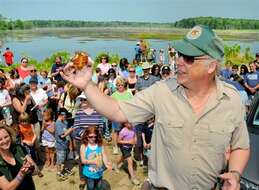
[[72, 117]]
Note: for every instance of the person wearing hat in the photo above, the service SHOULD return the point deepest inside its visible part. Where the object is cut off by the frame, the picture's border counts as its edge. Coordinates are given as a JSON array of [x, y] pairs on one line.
[[84, 117], [197, 118], [33, 74], [147, 79], [62, 141], [39, 96], [166, 72]]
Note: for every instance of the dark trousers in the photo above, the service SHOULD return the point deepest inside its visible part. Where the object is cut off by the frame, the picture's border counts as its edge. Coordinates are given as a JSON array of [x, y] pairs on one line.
[[93, 184]]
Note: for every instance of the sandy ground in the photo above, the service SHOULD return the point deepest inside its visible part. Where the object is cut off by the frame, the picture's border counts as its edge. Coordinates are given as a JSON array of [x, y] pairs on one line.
[[118, 181]]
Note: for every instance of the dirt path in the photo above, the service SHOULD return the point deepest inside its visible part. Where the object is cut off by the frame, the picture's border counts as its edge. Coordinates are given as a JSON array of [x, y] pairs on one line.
[[118, 181]]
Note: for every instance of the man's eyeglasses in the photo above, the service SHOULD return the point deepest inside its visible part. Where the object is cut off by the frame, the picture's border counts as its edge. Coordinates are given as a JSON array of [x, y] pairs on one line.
[[114, 65], [190, 59]]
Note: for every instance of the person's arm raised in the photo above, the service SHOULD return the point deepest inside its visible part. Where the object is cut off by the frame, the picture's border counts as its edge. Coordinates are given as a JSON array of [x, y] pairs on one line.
[[103, 104]]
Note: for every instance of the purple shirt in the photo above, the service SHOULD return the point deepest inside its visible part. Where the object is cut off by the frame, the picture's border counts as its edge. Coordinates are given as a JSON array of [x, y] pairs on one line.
[[126, 135]]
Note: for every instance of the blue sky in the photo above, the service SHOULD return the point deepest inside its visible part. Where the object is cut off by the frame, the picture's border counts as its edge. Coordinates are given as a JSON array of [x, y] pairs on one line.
[[127, 10]]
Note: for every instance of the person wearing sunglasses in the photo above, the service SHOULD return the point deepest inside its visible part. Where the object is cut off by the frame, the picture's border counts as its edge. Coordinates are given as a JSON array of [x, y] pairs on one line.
[[197, 117], [24, 69]]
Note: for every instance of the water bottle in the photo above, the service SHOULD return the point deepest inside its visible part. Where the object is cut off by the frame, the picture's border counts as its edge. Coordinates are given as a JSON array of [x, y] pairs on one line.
[[7, 115]]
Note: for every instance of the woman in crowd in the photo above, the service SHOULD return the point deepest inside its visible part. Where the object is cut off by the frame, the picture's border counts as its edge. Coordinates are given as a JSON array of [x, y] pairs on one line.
[[155, 71], [24, 69], [15, 77], [243, 71], [121, 94], [112, 80], [132, 79], [16, 165], [103, 84], [23, 102], [104, 65], [123, 68]]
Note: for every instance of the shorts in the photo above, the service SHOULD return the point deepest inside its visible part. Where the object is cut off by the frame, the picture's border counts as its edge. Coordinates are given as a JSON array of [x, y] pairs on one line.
[[116, 126], [126, 151], [47, 143], [61, 156]]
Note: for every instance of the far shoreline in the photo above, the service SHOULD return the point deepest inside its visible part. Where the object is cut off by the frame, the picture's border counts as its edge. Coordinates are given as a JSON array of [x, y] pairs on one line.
[[128, 33]]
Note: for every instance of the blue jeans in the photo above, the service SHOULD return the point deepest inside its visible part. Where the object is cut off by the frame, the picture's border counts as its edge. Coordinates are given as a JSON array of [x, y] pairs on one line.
[[93, 184]]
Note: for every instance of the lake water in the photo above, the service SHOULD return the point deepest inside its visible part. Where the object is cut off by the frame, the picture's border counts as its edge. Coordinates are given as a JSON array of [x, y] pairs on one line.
[[43, 46]]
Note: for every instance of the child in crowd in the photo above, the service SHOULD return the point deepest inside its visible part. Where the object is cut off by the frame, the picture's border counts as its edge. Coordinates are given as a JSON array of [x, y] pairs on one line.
[[28, 138], [48, 137], [62, 142], [147, 132], [93, 157], [27, 134], [127, 139]]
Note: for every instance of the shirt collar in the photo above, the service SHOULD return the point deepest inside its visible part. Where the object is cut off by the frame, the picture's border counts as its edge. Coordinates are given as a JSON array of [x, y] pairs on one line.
[[221, 90]]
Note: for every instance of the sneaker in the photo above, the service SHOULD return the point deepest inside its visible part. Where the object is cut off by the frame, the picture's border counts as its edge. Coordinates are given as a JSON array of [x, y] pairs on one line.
[[115, 150], [61, 176], [115, 168], [135, 181], [67, 171]]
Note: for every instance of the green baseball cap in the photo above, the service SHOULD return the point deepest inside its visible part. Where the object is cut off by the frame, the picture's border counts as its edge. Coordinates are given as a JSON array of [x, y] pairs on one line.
[[200, 40]]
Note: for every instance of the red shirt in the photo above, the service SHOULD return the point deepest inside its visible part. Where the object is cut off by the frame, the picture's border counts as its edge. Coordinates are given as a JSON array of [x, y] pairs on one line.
[[8, 55], [22, 73]]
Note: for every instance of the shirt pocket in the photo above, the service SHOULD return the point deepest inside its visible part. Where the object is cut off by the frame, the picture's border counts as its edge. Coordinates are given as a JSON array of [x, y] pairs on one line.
[[220, 135], [172, 132]]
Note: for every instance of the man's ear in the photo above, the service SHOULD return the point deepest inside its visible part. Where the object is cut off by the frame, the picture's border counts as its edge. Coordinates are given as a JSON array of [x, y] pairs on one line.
[[212, 67]]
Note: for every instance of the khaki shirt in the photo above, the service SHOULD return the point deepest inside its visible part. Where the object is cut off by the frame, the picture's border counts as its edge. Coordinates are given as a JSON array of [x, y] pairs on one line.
[[188, 151]]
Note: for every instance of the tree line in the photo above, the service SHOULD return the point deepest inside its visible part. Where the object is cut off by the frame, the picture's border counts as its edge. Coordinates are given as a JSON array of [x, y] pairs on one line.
[[213, 22], [219, 23]]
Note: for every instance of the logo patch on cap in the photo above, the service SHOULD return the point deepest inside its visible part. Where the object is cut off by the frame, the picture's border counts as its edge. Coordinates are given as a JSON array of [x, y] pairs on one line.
[[194, 33]]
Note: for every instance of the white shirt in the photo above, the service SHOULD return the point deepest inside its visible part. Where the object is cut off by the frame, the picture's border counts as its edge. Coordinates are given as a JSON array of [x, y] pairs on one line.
[[39, 96], [4, 97]]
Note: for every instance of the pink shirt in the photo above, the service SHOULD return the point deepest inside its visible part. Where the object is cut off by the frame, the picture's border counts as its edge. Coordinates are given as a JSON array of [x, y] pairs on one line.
[[104, 67]]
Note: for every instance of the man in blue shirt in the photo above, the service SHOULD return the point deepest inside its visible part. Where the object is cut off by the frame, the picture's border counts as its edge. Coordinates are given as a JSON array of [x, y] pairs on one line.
[[227, 72], [252, 79]]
